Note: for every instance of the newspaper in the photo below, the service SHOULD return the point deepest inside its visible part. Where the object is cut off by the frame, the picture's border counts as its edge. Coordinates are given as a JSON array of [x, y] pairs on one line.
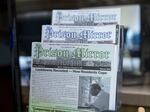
[[71, 77], [86, 17], [79, 34], [115, 29], [96, 17]]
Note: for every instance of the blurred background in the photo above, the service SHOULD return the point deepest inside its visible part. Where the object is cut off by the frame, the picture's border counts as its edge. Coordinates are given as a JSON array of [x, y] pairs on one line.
[[20, 25]]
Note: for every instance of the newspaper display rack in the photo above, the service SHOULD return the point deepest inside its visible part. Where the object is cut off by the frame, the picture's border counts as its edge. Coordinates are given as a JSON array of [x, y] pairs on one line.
[[78, 63]]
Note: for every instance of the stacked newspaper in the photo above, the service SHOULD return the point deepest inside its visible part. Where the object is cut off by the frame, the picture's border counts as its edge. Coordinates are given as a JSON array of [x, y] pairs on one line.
[[75, 66]]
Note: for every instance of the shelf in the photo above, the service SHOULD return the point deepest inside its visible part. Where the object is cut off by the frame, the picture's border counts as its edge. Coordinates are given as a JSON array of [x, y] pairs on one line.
[[136, 95]]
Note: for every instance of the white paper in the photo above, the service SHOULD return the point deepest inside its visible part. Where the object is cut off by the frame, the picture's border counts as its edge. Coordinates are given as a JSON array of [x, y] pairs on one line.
[[79, 34], [86, 17], [67, 86]]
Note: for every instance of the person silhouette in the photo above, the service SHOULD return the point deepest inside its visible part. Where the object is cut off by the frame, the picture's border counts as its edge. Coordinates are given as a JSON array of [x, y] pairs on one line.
[[101, 98]]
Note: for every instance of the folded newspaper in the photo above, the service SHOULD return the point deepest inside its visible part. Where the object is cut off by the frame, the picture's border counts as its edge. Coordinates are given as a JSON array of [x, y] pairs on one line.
[[72, 34], [86, 17], [96, 17], [71, 77], [80, 34]]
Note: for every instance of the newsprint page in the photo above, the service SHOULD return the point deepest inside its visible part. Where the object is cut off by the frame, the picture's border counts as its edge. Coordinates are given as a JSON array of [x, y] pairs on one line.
[[96, 17], [71, 77], [87, 17], [80, 34]]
